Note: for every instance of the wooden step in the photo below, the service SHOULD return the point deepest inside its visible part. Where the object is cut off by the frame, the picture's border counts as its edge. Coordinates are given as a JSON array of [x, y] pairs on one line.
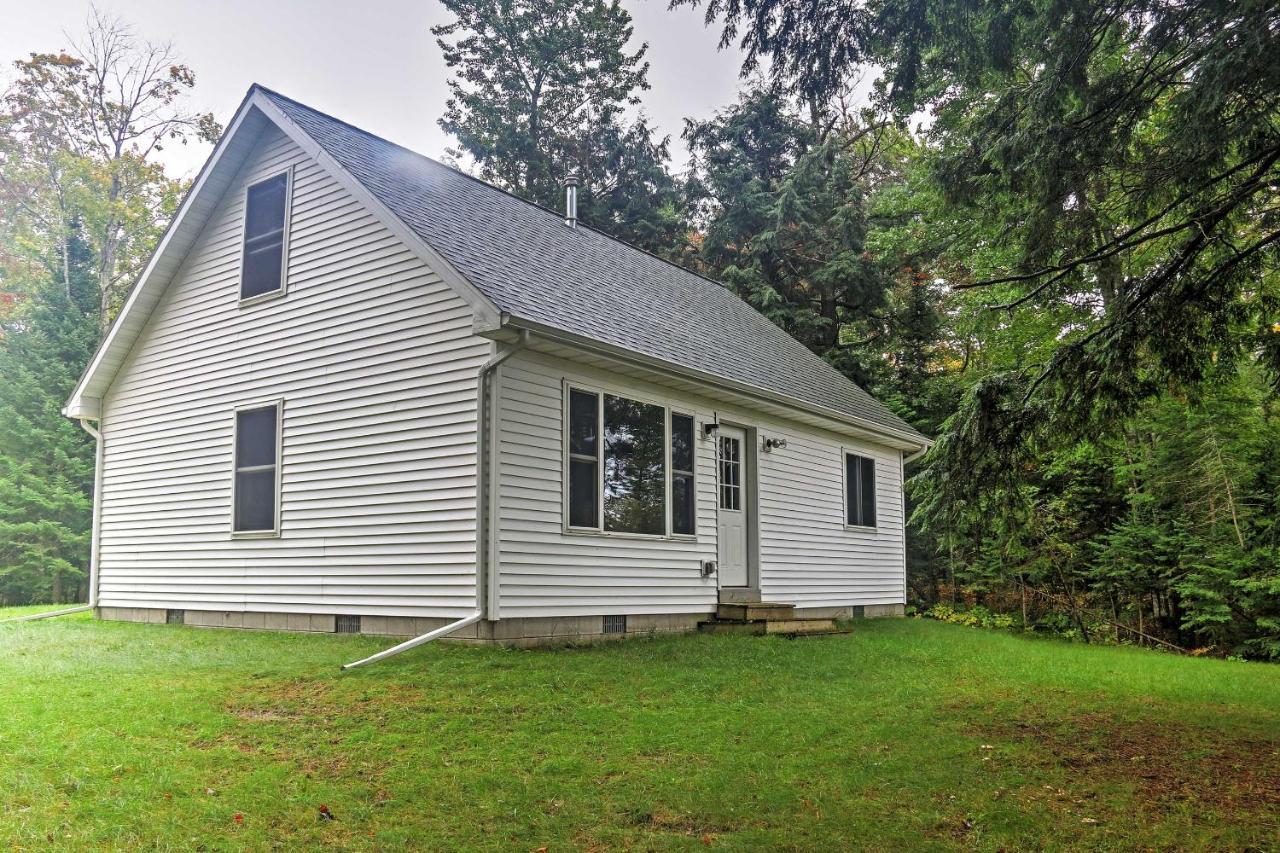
[[783, 627], [754, 612], [797, 627]]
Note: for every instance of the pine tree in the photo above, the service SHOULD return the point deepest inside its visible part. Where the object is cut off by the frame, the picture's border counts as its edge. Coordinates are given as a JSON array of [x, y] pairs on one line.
[[542, 88]]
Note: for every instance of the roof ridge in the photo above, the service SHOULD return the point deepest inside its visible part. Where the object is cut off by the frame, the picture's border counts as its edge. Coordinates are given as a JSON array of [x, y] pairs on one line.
[[559, 216]]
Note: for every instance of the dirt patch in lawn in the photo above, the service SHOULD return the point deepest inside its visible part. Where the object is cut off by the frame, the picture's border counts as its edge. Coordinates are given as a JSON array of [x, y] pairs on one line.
[[315, 701], [1167, 763], [660, 820]]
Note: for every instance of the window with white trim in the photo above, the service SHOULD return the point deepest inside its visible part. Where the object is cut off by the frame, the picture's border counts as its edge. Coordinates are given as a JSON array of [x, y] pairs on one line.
[[859, 490], [630, 466], [683, 497], [266, 218], [257, 470]]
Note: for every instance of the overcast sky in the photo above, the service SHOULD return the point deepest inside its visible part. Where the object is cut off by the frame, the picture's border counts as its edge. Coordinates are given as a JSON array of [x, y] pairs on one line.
[[373, 63]]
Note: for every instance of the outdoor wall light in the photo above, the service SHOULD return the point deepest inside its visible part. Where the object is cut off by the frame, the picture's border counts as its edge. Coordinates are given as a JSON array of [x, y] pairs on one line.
[[774, 444], [709, 428]]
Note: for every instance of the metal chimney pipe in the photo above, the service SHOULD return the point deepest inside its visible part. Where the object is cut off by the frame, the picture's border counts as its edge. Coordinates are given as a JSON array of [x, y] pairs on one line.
[[571, 200]]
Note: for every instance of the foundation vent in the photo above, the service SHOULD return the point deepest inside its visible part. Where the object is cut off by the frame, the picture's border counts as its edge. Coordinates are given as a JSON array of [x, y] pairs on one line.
[[175, 617], [615, 624], [346, 624]]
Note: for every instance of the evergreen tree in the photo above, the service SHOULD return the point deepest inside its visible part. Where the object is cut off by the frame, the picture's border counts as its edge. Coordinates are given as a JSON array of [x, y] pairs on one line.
[[46, 461], [542, 88], [82, 203], [783, 196]]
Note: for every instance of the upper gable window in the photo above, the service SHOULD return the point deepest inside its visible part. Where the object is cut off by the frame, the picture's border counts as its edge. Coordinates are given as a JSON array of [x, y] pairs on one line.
[[266, 219]]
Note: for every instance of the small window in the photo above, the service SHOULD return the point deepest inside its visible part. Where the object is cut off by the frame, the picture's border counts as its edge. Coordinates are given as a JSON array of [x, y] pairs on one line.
[[860, 490], [682, 493], [257, 470], [584, 459], [265, 220]]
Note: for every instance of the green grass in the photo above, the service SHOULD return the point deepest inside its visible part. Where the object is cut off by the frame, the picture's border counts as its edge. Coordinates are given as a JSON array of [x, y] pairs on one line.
[[29, 609], [905, 734]]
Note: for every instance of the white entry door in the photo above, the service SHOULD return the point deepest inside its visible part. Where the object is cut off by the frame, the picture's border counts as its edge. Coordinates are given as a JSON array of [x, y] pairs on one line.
[[732, 516]]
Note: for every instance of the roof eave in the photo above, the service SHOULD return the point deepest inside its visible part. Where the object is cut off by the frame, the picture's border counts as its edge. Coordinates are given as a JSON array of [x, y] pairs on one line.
[[897, 438]]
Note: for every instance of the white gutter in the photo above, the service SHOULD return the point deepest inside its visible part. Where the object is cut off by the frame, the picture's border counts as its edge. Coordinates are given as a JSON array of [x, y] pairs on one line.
[[486, 431], [914, 456], [93, 538]]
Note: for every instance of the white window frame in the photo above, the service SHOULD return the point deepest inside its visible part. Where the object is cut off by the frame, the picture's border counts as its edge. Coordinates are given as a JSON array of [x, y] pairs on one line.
[[845, 453], [567, 387], [278, 404], [246, 301]]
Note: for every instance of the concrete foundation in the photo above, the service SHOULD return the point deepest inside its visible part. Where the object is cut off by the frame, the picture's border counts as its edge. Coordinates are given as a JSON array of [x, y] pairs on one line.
[[514, 633]]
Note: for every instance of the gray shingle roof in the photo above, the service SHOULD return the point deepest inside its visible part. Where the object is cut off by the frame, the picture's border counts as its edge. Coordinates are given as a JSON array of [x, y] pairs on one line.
[[529, 264]]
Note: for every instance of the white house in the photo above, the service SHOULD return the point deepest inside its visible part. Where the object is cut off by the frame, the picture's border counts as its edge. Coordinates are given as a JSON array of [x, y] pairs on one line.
[[357, 390]]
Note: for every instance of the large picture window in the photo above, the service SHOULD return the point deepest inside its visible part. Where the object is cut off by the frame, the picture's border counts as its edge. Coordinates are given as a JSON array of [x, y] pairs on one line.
[[257, 470], [266, 218], [860, 490], [630, 466]]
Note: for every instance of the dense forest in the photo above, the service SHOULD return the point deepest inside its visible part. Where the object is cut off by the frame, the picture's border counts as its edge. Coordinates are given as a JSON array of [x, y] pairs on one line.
[[1044, 233]]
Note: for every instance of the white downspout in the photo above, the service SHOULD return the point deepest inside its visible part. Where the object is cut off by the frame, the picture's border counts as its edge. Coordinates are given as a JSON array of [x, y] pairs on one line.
[[485, 431], [93, 536]]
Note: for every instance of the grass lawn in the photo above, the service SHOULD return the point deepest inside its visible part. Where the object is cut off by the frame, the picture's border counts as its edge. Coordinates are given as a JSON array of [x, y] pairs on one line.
[[30, 609], [905, 734]]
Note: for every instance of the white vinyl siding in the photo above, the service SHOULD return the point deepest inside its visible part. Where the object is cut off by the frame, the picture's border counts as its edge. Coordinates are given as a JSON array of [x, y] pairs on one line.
[[808, 556], [374, 357]]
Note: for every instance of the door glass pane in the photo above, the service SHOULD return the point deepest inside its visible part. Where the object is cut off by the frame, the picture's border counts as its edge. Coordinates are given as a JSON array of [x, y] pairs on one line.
[[730, 473], [635, 476]]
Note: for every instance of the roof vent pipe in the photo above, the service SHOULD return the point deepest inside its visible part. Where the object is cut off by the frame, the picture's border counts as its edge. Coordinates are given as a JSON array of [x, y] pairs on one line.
[[571, 200]]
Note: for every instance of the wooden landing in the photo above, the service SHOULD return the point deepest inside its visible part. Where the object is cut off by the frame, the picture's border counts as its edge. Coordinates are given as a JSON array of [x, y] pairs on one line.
[[761, 618]]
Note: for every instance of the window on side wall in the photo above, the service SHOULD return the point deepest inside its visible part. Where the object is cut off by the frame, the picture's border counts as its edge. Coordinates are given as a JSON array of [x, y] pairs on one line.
[[265, 250], [619, 478], [683, 496], [859, 490], [256, 490]]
